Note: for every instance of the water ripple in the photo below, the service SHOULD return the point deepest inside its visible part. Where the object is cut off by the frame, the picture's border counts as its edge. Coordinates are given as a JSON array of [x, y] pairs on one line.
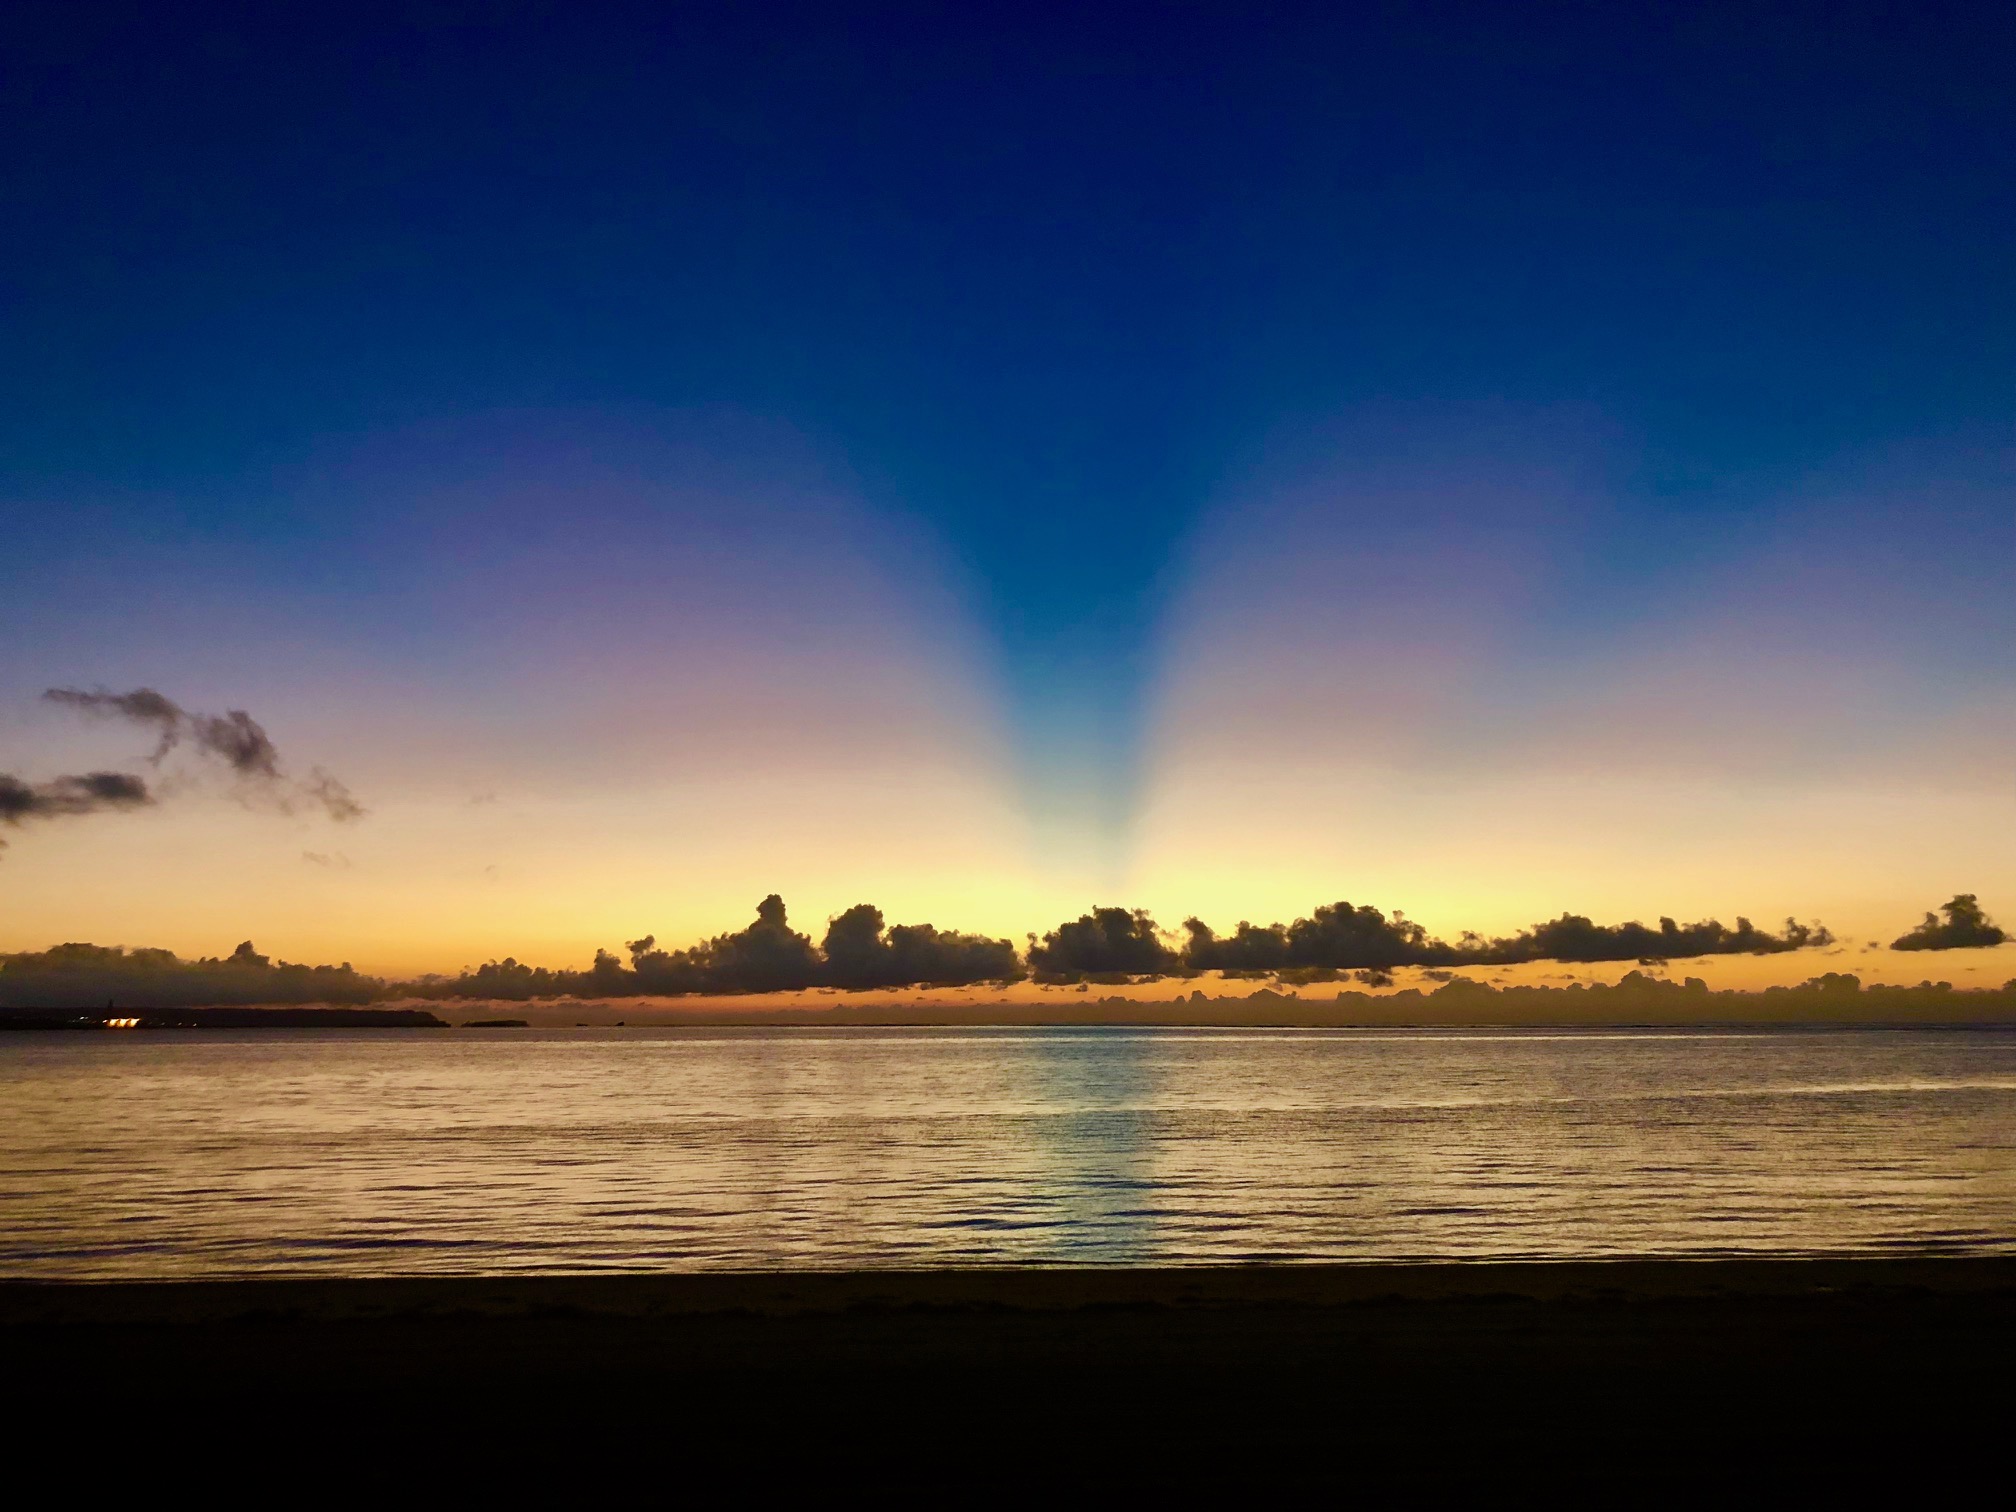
[[692, 1150]]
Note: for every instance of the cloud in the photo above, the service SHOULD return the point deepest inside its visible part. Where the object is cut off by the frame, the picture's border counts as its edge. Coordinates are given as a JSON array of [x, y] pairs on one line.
[[239, 742], [336, 799], [64, 797], [1107, 941], [142, 706], [1966, 927], [79, 975], [1573, 937], [1363, 938], [333, 861], [860, 952], [1343, 937], [233, 738]]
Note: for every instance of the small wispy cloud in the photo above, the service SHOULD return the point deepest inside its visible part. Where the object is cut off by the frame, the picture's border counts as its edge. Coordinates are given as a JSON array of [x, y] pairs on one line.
[[233, 740]]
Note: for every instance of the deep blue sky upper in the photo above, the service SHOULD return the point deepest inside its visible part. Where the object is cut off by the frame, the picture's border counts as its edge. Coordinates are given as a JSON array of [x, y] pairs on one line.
[[1044, 276]]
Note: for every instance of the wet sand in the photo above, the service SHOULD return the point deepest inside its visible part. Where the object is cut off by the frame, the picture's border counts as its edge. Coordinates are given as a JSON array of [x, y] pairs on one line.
[[1627, 1380]]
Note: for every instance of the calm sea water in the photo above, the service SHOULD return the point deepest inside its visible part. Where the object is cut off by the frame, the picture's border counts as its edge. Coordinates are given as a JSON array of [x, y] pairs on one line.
[[599, 1150]]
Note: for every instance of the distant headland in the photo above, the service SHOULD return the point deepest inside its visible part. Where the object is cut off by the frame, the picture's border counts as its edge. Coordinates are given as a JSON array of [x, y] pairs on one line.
[[273, 1016]]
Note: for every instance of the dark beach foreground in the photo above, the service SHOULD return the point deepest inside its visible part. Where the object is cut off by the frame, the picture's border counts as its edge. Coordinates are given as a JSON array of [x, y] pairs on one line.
[[1620, 1381]]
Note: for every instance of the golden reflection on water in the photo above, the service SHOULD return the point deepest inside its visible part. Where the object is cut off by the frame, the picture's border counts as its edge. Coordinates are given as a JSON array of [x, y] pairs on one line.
[[179, 1154]]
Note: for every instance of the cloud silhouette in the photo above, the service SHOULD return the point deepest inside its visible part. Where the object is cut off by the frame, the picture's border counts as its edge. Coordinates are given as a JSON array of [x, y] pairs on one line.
[[233, 738], [90, 976], [63, 797], [1106, 941], [142, 706], [1335, 935], [861, 954], [1108, 945], [238, 742], [1362, 938], [336, 800], [1572, 937], [1965, 927]]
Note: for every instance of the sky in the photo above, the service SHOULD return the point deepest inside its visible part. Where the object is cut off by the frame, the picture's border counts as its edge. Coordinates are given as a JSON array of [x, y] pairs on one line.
[[991, 460]]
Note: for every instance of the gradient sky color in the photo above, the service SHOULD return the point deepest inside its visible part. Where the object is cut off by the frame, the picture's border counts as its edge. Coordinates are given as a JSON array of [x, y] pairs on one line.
[[1483, 460]]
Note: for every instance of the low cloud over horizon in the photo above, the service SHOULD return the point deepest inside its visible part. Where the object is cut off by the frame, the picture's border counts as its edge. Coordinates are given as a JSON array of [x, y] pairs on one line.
[[859, 951]]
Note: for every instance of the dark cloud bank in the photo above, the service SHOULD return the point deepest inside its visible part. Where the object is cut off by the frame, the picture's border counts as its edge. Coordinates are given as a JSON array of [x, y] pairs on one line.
[[1337, 937], [861, 952], [93, 976], [232, 739], [1108, 945]]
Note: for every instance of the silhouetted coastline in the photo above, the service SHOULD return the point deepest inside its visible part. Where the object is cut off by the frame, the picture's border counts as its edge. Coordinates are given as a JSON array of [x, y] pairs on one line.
[[281, 1017]]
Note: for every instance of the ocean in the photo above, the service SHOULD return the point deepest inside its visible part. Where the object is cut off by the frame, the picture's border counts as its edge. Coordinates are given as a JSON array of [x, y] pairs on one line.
[[297, 1152]]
